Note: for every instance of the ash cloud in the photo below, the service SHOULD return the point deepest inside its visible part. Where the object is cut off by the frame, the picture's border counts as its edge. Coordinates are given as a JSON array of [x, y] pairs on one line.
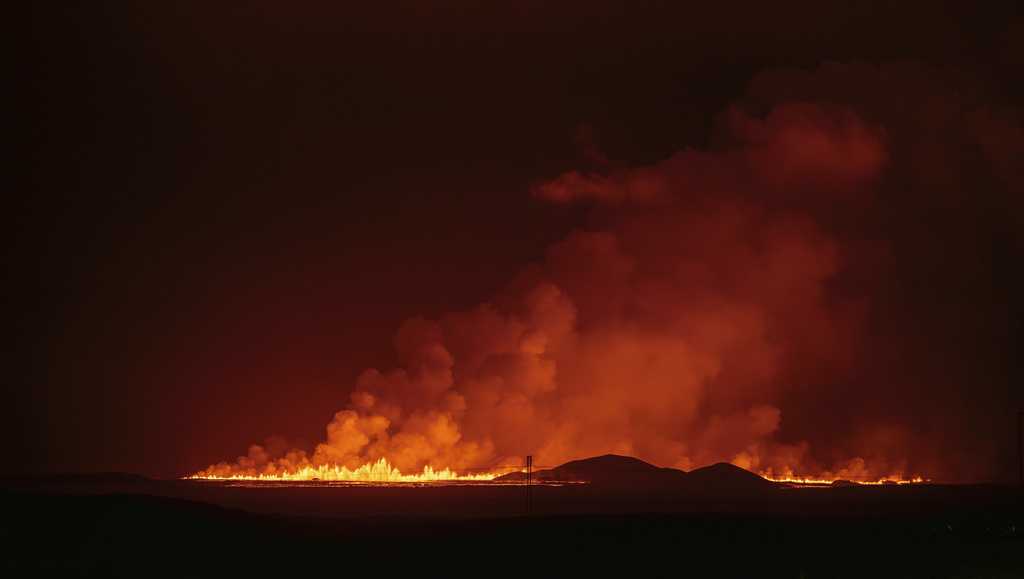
[[823, 289]]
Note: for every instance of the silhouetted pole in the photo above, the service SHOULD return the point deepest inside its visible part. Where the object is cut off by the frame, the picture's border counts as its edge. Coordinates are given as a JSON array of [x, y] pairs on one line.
[[529, 484], [1020, 447]]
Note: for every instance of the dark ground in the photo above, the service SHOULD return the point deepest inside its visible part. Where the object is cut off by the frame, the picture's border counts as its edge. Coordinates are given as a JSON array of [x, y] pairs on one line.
[[121, 526]]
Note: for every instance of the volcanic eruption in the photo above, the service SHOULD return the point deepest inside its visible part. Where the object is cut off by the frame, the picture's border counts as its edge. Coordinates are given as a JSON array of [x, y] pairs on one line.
[[758, 301]]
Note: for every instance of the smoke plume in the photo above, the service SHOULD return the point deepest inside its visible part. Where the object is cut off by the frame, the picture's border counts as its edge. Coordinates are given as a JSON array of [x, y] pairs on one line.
[[821, 289]]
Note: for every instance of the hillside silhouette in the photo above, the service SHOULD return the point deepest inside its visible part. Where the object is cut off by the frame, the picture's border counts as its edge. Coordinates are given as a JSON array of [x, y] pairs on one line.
[[626, 472]]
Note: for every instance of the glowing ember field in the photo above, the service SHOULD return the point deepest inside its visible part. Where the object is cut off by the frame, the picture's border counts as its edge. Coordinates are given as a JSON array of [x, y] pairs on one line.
[[812, 481], [380, 472]]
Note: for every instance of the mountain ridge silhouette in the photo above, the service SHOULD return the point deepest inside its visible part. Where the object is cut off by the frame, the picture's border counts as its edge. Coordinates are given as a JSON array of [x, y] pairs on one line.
[[627, 471]]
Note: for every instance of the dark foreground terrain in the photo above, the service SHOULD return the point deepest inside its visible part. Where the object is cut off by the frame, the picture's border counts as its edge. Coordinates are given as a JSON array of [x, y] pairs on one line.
[[128, 526]]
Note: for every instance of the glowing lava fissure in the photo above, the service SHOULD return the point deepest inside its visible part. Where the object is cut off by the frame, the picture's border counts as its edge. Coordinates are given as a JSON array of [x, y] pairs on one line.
[[895, 479], [380, 472]]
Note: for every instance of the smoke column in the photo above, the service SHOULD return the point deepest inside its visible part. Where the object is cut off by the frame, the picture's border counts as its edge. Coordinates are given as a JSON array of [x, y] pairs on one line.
[[824, 288]]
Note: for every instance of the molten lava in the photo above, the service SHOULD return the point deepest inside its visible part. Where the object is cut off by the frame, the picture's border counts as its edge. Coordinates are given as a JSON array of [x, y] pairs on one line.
[[823, 480], [376, 472], [382, 472]]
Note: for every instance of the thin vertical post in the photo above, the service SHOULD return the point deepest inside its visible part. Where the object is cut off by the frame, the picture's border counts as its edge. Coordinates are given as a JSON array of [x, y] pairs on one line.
[[529, 484]]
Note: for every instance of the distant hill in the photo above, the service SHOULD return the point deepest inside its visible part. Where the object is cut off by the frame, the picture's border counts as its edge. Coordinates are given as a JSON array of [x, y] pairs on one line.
[[725, 477], [73, 479], [609, 469], [626, 472]]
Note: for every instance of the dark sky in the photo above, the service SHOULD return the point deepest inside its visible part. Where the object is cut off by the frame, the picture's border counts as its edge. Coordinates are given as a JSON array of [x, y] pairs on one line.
[[230, 209]]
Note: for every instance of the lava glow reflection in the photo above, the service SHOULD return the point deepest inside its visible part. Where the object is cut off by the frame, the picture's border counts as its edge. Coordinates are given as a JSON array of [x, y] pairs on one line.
[[375, 472]]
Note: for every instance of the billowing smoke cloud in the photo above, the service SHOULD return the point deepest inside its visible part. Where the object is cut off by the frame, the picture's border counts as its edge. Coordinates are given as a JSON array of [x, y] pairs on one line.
[[818, 291]]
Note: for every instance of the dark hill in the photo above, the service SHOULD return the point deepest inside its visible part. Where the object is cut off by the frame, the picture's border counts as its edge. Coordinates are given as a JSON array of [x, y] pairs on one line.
[[624, 472], [612, 468], [609, 469], [723, 477], [74, 478]]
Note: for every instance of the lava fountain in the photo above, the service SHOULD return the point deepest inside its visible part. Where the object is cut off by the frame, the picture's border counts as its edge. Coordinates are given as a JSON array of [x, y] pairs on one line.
[[380, 471]]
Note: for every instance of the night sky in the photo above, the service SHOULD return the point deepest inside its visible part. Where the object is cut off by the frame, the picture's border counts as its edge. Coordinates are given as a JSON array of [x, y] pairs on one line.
[[230, 210]]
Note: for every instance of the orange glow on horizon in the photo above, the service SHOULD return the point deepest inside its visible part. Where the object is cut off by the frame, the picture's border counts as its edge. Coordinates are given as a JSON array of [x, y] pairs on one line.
[[382, 471], [375, 472], [823, 480]]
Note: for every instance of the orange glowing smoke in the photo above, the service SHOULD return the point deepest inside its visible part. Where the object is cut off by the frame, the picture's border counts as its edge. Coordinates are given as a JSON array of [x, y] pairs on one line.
[[721, 308], [670, 334]]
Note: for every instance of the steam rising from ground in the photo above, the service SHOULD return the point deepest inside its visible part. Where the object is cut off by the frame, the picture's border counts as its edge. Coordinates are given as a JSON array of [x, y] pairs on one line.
[[789, 299]]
